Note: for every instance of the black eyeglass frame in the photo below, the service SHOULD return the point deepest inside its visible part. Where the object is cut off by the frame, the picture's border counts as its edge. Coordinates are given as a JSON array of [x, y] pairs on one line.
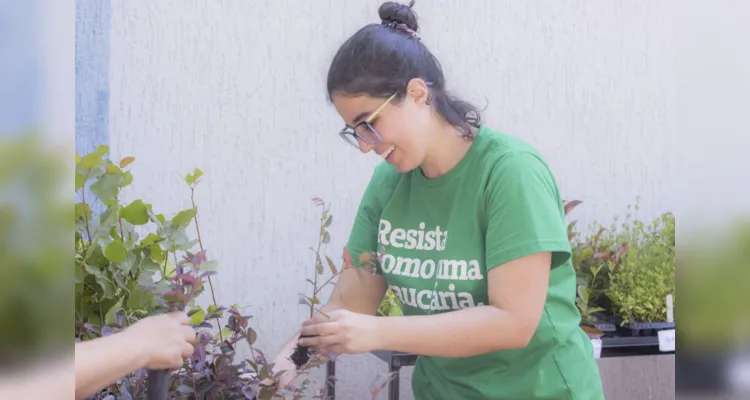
[[350, 134]]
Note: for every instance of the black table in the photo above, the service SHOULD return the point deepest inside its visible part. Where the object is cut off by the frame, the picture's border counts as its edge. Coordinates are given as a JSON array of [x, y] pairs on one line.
[[611, 347]]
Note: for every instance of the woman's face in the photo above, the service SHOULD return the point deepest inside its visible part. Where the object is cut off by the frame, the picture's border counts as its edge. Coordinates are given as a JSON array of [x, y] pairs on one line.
[[403, 125]]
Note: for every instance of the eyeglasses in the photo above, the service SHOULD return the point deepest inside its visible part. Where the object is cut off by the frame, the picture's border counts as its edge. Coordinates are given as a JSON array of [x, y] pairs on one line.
[[364, 130]]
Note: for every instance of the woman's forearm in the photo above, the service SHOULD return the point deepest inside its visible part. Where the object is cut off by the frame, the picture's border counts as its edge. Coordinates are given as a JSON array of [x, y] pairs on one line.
[[102, 361], [461, 333]]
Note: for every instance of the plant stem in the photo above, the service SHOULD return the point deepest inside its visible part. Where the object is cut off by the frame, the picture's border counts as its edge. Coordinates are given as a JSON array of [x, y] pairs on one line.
[[78, 315], [200, 243], [325, 283], [318, 261], [164, 268], [122, 235], [83, 201], [195, 385]]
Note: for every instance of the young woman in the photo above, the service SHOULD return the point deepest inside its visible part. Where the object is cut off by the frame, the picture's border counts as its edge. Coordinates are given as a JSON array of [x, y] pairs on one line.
[[471, 223]]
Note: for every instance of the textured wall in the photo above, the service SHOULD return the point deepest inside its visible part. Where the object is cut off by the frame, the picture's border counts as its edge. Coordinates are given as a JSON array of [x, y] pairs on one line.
[[237, 89], [93, 18]]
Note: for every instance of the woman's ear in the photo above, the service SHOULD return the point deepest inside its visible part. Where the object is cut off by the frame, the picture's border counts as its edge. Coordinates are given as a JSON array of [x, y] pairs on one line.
[[417, 91]]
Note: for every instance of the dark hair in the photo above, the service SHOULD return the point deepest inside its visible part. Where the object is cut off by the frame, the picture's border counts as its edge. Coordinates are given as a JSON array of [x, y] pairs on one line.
[[380, 59]]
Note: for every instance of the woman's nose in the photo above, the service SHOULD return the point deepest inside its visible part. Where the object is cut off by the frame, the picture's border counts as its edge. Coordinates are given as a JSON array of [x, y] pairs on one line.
[[365, 147]]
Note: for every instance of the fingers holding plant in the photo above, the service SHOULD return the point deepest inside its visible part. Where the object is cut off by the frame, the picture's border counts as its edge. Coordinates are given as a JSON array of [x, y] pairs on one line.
[[164, 340], [341, 332]]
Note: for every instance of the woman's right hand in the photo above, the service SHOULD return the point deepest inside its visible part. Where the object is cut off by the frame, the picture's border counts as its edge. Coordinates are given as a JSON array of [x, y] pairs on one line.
[[281, 363], [163, 341]]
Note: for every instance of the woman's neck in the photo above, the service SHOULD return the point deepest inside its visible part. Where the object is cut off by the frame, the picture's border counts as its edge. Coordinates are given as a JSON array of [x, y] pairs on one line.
[[446, 150]]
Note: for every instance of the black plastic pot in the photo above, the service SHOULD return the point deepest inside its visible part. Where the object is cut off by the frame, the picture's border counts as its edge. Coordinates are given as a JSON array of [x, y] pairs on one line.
[[157, 385], [646, 328], [605, 323]]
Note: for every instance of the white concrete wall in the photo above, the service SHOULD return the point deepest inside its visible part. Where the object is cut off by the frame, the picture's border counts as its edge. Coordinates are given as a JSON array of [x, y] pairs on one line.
[[237, 88]]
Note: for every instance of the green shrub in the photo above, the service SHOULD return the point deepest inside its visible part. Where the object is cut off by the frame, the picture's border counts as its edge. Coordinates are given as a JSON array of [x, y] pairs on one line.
[[593, 258], [130, 262], [639, 286], [626, 269]]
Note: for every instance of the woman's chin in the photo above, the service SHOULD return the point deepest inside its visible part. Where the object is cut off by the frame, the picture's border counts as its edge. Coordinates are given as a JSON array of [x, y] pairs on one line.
[[402, 166]]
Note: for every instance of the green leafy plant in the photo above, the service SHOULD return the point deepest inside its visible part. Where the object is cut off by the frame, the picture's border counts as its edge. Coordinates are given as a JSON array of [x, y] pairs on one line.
[[132, 262], [588, 312], [593, 258], [639, 286], [625, 270], [302, 356], [111, 256], [390, 306], [122, 277]]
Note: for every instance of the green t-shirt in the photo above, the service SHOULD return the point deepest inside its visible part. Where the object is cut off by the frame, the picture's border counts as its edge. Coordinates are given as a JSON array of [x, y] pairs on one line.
[[441, 237]]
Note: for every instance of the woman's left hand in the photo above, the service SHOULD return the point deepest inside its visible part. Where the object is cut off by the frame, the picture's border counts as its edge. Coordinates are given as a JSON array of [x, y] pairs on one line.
[[341, 332]]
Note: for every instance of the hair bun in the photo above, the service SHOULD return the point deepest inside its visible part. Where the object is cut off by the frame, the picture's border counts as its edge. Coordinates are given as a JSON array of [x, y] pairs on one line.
[[399, 13]]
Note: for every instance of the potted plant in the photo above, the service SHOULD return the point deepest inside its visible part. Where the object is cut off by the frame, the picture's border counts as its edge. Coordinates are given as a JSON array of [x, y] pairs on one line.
[[122, 277], [593, 258], [639, 287]]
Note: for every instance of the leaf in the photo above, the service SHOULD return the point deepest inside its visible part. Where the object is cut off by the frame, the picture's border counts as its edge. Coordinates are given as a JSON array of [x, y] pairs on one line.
[[158, 254], [226, 332], [569, 206], [139, 299], [328, 221], [184, 217], [136, 213], [252, 336], [331, 265], [127, 179], [303, 300], [110, 317], [149, 240], [185, 389], [82, 211], [90, 160], [326, 238], [126, 161], [366, 257], [211, 265], [198, 315], [176, 238], [115, 251], [106, 188], [80, 181], [192, 178], [157, 219], [102, 150], [107, 286], [78, 158]]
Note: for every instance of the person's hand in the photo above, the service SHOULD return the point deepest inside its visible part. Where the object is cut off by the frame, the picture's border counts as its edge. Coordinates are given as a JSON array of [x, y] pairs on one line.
[[341, 332], [289, 375], [164, 340]]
